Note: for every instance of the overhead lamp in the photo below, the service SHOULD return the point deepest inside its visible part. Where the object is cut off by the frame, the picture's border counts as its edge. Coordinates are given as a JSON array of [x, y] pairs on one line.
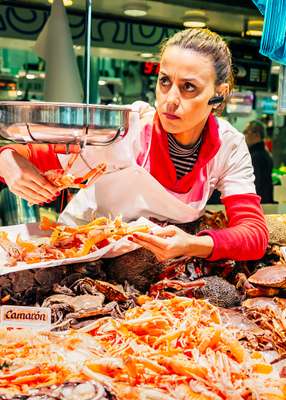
[[254, 27], [195, 19], [275, 68], [135, 9], [31, 76], [67, 3], [146, 55]]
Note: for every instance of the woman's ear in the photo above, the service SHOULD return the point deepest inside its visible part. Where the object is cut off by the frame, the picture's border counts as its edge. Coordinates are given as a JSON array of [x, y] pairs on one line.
[[223, 90]]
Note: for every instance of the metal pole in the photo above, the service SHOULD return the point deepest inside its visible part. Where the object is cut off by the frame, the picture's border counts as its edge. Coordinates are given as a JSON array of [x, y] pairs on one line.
[[88, 9]]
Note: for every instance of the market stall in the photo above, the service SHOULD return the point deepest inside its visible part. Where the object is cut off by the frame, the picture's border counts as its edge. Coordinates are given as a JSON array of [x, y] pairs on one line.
[[86, 312]]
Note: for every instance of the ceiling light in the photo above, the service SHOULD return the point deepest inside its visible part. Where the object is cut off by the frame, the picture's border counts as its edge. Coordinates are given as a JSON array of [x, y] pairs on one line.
[[67, 3], [101, 82], [254, 27], [31, 76], [275, 68], [135, 9], [195, 19], [146, 55]]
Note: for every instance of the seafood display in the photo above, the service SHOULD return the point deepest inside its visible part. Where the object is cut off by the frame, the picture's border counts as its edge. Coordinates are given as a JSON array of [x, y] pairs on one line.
[[132, 327], [68, 241], [172, 349]]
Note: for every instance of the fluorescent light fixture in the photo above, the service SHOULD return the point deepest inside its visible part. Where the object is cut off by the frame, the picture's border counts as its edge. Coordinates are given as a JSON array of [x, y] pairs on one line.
[[195, 19], [146, 55], [275, 68], [254, 27], [67, 3], [135, 9], [31, 76]]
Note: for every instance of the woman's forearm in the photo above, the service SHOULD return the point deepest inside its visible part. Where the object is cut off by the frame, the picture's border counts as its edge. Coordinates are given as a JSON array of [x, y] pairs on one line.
[[200, 246], [246, 236]]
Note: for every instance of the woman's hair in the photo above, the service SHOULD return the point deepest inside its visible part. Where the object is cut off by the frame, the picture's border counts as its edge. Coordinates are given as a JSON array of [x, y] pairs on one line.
[[207, 43]]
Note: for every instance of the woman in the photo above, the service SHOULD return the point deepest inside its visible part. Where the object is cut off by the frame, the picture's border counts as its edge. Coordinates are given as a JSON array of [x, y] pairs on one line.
[[186, 152]]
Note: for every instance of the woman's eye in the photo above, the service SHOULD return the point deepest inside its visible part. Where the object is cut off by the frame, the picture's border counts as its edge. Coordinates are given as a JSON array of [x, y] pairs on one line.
[[164, 81], [188, 87]]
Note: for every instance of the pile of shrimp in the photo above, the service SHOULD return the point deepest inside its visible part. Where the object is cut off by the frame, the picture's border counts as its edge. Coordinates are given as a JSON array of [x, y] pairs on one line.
[[178, 349], [68, 241], [175, 349], [29, 361]]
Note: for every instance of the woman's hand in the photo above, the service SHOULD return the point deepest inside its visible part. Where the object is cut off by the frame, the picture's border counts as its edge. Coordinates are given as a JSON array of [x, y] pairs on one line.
[[171, 242], [25, 180], [145, 111]]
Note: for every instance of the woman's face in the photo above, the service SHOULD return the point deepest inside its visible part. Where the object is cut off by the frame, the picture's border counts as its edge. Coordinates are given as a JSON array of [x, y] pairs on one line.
[[185, 84]]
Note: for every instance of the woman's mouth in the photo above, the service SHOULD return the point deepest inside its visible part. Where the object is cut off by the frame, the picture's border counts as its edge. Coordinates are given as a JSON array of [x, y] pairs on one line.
[[171, 116]]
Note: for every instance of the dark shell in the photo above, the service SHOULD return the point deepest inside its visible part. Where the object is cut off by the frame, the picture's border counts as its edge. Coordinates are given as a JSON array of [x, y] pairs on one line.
[[274, 276], [219, 292], [140, 268]]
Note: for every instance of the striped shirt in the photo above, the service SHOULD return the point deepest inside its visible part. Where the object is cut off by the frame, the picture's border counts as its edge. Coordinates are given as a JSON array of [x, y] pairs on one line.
[[183, 157]]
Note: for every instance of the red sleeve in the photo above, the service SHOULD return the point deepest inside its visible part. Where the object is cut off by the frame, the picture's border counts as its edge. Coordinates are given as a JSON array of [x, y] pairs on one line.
[[246, 236], [42, 156]]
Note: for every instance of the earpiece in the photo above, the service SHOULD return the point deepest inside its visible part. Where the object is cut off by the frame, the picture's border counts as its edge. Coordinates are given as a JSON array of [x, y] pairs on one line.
[[215, 100]]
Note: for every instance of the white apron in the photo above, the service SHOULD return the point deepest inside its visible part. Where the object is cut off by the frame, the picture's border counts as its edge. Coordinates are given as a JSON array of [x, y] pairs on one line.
[[132, 193]]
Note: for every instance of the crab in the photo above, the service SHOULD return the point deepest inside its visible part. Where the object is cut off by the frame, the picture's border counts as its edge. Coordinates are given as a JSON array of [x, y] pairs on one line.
[[111, 292], [267, 281], [93, 286], [247, 331], [181, 288], [63, 180], [270, 315], [84, 286], [174, 267], [93, 311], [61, 305]]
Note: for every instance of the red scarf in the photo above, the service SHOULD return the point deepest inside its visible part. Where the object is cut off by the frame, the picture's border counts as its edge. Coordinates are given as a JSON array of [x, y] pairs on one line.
[[161, 165]]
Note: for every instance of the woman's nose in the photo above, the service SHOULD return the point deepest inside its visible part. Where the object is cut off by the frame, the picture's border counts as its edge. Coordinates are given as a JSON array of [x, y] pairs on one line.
[[173, 98]]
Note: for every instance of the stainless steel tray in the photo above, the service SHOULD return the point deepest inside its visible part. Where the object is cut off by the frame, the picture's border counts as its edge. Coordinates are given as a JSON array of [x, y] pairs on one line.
[[70, 123]]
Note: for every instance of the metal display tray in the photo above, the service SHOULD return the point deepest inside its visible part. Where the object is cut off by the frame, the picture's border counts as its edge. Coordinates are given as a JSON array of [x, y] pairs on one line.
[[65, 123]]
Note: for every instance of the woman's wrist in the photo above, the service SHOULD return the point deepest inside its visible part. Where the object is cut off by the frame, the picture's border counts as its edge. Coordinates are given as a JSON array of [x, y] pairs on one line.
[[4, 158], [201, 246]]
